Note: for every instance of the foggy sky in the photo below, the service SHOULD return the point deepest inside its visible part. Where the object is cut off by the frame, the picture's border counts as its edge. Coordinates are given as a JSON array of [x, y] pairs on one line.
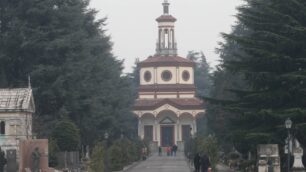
[[133, 29]]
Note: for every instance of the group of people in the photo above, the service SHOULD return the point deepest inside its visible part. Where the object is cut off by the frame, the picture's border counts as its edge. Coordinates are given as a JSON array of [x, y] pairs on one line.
[[171, 151], [201, 163]]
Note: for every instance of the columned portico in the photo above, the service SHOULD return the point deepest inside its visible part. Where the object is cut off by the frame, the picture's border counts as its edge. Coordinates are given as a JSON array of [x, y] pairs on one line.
[[167, 122], [166, 106]]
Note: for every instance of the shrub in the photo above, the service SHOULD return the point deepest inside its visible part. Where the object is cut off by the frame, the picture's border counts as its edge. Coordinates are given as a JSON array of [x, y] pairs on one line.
[[97, 158]]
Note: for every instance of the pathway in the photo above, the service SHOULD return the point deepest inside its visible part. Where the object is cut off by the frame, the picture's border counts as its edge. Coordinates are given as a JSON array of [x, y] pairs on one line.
[[223, 168], [162, 164]]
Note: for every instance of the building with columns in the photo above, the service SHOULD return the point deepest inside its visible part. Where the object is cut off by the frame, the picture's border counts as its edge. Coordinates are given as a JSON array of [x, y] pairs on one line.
[[166, 107]]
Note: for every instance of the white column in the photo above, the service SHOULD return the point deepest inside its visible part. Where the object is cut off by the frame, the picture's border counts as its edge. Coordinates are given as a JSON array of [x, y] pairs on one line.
[[158, 134], [155, 75], [155, 130], [159, 38], [140, 129], [177, 75], [178, 125], [169, 39], [194, 126], [163, 39], [173, 40]]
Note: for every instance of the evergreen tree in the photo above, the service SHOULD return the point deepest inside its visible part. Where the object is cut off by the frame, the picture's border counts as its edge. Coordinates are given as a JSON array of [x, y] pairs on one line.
[[97, 158], [66, 136], [66, 52], [202, 76], [223, 84], [203, 83], [271, 60]]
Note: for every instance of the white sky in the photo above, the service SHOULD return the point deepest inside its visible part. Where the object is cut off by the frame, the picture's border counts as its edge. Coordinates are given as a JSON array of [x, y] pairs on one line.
[[133, 29]]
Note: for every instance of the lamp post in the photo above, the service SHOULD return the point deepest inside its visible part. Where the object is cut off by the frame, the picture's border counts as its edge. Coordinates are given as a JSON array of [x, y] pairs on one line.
[[106, 169], [288, 124]]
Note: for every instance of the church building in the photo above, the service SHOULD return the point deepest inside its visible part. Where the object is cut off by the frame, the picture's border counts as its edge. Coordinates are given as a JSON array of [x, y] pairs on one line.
[[166, 107]]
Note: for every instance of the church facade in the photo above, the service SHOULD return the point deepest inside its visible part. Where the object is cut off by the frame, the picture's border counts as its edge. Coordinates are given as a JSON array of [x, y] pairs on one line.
[[166, 107]]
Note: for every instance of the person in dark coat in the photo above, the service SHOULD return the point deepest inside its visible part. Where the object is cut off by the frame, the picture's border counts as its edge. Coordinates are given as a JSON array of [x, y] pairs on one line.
[[174, 150], [197, 162], [205, 164], [159, 151]]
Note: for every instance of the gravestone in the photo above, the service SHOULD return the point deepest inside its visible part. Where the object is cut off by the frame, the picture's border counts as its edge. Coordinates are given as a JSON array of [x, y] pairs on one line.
[[297, 153], [11, 160], [269, 160], [68, 160], [33, 155], [153, 146]]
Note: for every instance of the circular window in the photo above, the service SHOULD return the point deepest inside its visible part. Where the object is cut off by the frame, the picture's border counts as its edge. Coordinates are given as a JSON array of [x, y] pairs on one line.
[[147, 76], [186, 75], [166, 75]]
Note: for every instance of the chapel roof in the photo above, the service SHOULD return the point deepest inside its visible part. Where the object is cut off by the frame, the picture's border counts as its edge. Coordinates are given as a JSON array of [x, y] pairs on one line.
[[180, 103], [157, 60], [17, 99]]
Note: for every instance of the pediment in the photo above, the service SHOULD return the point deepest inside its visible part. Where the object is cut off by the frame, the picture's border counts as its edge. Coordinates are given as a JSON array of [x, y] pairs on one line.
[[167, 120]]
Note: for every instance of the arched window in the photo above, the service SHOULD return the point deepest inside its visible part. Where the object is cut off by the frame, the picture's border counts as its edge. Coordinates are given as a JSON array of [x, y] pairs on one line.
[[166, 38], [2, 127]]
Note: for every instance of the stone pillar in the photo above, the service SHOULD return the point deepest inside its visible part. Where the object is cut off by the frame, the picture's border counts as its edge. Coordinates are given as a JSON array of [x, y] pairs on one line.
[[140, 129], [194, 126], [163, 39], [155, 75], [155, 129], [178, 125], [298, 153], [168, 43], [262, 166], [158, 134]]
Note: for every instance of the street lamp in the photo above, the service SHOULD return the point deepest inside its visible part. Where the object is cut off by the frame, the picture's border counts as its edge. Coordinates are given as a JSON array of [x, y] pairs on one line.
[[288, 124]]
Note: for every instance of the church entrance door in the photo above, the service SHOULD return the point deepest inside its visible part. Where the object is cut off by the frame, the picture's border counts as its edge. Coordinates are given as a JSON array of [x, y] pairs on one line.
[[167, 135]]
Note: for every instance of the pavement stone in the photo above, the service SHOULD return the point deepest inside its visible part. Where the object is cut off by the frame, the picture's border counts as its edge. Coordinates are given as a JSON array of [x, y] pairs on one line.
[[163, 163]]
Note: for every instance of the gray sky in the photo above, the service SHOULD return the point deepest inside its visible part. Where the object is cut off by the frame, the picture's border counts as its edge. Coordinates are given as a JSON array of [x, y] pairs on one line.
[[132, 25]]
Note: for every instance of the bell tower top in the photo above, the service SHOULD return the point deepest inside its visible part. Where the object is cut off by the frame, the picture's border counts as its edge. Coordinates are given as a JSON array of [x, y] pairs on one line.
[[166, 7], [166, 43]]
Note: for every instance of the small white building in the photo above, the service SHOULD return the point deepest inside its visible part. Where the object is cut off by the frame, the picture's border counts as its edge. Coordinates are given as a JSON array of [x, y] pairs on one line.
[[166, 107], [16, 110]]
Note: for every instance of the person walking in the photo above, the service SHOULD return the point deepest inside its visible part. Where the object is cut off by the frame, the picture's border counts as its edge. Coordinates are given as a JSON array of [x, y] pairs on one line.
[[196, 162], [168, 151], [205, 163], [174, 149], [159, 151]]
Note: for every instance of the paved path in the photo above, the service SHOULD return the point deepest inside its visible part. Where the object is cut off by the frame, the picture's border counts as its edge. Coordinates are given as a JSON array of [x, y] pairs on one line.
[[162, 164], [223, 168]]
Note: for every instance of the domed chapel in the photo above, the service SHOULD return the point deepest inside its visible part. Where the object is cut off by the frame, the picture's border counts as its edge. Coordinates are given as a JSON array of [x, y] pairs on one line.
[[166, 105]]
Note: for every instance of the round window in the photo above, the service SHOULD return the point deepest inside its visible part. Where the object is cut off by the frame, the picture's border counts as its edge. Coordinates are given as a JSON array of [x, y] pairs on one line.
[[166, 75], [147, 76], [186, 75]]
